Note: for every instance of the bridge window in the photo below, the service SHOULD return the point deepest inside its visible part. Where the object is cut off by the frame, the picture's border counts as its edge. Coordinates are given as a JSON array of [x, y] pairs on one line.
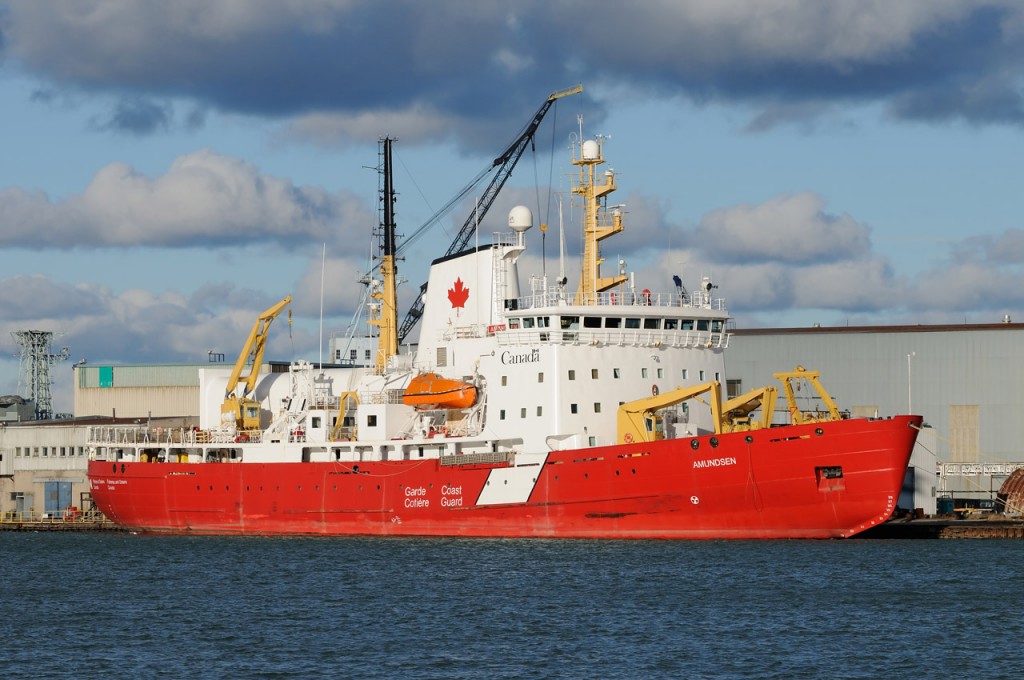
[[671, 324], [632, 323], [687, 325], [702, 324], [513, 323], [591, 322], [543, 322], [570, 323], [613, 322], [652, 324], [527, 322], [716, 325]]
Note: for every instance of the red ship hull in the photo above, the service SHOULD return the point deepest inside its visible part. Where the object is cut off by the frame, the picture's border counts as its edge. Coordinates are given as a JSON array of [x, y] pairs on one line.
[[824, 480]]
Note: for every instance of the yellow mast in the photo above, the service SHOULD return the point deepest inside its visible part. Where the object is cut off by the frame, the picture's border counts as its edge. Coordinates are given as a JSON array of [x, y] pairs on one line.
[[386, 316], [597, 224]]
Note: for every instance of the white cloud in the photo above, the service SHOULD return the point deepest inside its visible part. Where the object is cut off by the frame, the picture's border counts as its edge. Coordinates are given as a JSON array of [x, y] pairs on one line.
[[790, 228], [203, 199]]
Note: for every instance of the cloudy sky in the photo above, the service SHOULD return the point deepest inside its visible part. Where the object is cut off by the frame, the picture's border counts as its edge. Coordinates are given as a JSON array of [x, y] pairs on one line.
[[170, 169]]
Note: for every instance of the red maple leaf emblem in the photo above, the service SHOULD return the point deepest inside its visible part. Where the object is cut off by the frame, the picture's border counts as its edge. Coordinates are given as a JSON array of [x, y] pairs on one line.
[[458, 294]]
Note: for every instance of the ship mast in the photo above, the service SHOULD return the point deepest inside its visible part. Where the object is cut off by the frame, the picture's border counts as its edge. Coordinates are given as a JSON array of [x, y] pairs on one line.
[[386, 318], [597, 225]]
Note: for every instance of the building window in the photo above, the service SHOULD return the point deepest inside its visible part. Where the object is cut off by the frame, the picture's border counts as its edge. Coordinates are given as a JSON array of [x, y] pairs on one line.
[[572, 374], [597, 407], [367, 357], [353, 354], [573, 408]]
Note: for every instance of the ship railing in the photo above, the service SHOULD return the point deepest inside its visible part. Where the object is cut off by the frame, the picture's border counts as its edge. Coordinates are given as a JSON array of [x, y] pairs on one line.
[[481, 458], [550, 298], [145, 435], [621, 338], [381, 397]]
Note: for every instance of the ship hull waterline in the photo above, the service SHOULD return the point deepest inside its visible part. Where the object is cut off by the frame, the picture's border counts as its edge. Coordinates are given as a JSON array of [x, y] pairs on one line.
[[821, 480]]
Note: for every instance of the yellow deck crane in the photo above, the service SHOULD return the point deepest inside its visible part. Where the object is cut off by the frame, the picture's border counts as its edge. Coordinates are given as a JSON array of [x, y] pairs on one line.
[[798, 416], [242, 410], [639, 422]]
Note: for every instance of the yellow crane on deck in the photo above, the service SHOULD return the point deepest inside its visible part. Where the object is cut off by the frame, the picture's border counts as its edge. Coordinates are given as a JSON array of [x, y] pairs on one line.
[[639, 421], [242, 410]]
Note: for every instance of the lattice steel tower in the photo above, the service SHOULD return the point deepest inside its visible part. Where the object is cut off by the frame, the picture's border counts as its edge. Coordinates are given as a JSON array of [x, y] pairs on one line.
[[36, 358]]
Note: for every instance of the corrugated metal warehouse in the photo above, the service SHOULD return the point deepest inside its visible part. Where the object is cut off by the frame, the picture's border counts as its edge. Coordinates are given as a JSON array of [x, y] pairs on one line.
[[137, 390], [966, 380]]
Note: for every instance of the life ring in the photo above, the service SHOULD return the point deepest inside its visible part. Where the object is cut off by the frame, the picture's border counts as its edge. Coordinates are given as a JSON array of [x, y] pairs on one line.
[[444, 430], [628, 438], [612, 297], [654, 390]]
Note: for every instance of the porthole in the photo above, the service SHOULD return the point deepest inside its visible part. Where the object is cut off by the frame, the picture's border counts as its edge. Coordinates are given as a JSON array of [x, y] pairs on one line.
[[714, 442], [818, 431], [748, 439], [694, 444]]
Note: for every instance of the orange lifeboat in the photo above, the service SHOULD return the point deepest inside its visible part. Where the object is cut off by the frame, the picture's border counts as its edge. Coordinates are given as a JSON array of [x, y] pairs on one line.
[[431, 391]]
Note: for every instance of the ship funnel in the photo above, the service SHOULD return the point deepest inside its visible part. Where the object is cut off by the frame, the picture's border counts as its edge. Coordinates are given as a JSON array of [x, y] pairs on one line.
[[520, 220]]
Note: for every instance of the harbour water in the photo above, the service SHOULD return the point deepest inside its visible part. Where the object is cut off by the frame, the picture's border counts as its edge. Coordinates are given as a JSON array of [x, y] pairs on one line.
[[102, 605]]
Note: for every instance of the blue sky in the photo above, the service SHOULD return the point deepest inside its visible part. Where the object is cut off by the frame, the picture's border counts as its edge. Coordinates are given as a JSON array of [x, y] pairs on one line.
[[169, 170]]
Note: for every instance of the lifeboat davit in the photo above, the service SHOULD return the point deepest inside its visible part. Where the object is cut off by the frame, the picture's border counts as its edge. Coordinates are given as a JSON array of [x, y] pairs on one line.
[[431, 391]]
